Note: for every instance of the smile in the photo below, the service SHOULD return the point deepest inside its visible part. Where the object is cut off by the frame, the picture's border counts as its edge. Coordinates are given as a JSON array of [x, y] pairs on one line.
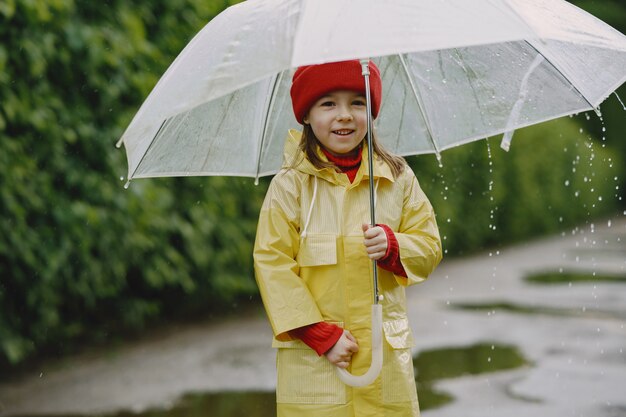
[[343, 132]]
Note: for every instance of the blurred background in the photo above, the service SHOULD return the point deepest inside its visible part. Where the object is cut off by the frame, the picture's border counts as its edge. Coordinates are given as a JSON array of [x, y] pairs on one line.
[[85, 263]]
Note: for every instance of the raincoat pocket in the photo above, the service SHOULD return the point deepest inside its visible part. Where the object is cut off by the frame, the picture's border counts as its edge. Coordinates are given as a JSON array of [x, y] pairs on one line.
[[398, 378], [305, 378], [317, 250]]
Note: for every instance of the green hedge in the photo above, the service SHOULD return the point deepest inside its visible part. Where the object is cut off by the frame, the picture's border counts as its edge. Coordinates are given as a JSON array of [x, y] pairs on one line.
[[82, 260], [79, 256], [538, 187]]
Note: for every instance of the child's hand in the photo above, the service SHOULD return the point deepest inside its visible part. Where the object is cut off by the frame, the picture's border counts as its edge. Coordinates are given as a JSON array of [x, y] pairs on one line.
[[341, 353], [375, 241]]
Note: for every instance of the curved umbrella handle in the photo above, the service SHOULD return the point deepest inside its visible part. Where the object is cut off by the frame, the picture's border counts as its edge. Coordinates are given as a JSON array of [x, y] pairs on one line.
[[377, 354]]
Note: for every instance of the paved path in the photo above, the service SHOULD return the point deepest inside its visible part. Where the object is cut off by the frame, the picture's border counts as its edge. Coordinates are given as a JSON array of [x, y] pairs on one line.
[[578, 360]]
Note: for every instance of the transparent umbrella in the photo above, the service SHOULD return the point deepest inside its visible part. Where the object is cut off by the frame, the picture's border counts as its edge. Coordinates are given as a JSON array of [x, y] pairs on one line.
[[453, 72]]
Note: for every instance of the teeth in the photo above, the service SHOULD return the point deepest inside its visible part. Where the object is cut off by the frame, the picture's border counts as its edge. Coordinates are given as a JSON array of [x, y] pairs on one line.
[[343, 132]]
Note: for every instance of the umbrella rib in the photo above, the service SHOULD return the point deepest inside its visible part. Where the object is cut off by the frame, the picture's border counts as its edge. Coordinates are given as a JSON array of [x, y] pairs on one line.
[[148, 149], [268, 111], [596, 110], [420, 105]]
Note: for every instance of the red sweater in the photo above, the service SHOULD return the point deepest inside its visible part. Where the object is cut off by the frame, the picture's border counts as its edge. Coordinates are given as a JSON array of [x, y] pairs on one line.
[[322, 336]]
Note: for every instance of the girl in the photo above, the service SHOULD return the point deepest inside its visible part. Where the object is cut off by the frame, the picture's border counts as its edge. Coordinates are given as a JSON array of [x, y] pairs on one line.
[[314, 248]]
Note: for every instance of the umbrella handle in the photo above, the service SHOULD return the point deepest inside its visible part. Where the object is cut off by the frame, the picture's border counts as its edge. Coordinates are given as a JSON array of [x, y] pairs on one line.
[[377, 354]]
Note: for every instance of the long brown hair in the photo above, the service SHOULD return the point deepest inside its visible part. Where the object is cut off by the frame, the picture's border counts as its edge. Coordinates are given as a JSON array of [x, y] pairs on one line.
[[309, 143]]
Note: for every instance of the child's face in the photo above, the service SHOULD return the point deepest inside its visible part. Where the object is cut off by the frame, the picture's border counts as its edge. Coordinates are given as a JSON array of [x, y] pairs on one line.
[[339, 120]]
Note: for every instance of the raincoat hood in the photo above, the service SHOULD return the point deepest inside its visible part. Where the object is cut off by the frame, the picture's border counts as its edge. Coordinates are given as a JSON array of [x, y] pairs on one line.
[[292, 153]]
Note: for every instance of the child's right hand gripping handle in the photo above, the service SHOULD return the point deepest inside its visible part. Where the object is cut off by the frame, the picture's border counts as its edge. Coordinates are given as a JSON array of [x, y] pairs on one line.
[[377, 354]]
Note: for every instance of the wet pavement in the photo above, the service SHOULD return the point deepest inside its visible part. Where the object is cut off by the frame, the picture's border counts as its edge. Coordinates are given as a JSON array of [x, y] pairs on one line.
[[569, 336]]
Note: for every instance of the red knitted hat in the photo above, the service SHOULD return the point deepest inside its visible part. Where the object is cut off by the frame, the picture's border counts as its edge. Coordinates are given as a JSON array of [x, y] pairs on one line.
[[311, 82]]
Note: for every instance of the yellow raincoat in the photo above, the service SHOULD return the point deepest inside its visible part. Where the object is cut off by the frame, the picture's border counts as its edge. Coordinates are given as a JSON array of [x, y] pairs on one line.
[[311, 265]]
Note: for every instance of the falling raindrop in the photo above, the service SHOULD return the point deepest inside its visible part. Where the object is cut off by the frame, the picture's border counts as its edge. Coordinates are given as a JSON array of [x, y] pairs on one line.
[[439, 159]]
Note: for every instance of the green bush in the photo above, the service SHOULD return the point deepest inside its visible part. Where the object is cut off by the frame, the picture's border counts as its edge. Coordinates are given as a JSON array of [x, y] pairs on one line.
[[82, 260]]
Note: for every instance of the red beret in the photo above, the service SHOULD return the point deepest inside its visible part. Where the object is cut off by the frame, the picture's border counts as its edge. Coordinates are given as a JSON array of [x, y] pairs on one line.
[[311, 82]]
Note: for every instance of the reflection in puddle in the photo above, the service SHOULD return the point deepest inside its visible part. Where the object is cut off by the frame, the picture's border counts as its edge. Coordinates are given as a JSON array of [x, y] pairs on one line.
[[555, 278], [573, 277], [225, 404], [589, 313], [431, 365]]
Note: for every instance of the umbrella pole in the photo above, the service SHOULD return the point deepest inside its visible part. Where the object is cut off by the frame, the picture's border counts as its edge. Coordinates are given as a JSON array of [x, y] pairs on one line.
[[377, 309], [370, 159]]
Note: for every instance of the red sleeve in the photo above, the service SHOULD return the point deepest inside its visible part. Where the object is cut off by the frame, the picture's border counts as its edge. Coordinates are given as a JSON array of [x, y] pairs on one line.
[[391, 260], [318, 336]]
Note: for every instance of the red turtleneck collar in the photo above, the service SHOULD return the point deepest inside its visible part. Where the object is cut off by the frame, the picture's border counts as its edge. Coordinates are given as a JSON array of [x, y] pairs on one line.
[[348, 164]]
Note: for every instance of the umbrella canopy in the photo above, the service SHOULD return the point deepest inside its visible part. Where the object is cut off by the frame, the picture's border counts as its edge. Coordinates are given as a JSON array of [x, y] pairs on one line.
[[453, 71]]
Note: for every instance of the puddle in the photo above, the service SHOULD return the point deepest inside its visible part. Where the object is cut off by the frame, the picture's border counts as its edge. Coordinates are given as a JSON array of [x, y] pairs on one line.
[[554, 278], [572, 278], [540, 310], [430, 366], [434, 365]]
